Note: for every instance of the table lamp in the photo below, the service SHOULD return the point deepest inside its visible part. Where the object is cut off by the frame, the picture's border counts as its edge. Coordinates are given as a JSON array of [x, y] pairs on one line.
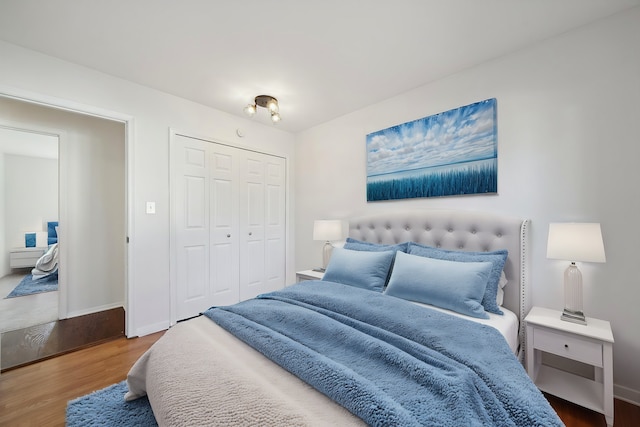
[[573, 242], [327, 230]]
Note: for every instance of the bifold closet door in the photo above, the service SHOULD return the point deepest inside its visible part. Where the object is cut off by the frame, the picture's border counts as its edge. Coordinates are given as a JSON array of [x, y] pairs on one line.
[[224, 224], [190, 178], [229, 211], [275, 223], [262, 224]]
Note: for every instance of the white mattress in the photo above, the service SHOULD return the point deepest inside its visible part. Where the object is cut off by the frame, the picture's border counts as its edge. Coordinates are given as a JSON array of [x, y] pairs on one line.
[[506, 324]]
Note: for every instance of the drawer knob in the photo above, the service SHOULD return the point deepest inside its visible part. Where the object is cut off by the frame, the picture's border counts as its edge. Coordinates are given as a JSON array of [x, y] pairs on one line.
[[566, 346]]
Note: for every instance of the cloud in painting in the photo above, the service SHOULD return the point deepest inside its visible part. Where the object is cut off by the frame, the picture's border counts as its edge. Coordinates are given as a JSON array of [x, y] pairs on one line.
[[461, 135]]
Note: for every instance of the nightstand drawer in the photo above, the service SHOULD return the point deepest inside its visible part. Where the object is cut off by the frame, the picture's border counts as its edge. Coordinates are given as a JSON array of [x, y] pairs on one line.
[[570, 346], [25, 257]]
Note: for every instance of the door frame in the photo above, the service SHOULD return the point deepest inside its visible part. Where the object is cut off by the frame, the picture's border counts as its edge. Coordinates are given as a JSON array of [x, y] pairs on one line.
[[173, 133], [129, 142]]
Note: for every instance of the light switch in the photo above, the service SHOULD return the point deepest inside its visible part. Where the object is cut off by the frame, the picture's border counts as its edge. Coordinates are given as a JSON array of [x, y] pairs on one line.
[[151, 207]]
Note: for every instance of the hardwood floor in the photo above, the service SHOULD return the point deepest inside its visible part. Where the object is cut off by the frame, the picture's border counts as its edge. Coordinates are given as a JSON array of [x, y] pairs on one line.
[[625, 414], [37, 395]]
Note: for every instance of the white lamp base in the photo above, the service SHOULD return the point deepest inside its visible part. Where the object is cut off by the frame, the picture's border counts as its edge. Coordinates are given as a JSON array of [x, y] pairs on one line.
[[326, 254], [327, 249], [573, 296], [574, 317]]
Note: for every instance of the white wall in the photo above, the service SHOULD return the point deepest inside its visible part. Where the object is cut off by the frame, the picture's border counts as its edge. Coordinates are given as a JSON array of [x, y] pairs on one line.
[[153, 114], [31, 196], [568, 151]]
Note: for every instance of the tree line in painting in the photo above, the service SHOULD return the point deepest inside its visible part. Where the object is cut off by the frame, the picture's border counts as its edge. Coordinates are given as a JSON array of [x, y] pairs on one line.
[[445, 183]]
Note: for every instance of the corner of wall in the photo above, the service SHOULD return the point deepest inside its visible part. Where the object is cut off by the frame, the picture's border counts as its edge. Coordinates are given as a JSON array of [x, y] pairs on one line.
[[626, 394]]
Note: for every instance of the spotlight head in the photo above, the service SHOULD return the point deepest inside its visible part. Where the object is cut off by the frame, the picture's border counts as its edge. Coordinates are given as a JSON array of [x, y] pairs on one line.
[[250, 110]]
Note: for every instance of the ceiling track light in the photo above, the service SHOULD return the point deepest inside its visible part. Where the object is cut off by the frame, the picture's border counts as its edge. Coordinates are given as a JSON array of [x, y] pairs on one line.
[[265, 101]]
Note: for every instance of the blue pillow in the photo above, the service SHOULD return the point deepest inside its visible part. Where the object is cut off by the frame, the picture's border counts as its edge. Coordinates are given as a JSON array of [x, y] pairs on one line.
[[52, 235], [497, 258], [457, 286], [30, 240], [362, 269], [358, 245]]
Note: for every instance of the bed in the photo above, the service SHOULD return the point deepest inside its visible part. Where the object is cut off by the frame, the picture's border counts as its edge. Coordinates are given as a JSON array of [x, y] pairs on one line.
[[363, 346]]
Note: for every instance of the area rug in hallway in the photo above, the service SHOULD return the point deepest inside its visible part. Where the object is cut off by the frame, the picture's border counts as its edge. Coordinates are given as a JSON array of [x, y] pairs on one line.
[[29, 286], [107, 407]]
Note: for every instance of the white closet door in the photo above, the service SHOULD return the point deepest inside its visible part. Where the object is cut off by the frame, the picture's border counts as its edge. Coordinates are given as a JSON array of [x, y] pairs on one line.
[[224, 224], [262, 230], [275, 230], [252, 217], [228, 224], [190, 201]]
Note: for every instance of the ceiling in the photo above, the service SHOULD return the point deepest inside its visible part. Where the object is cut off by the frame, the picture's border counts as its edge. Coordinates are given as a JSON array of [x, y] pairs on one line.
[[321, 59]]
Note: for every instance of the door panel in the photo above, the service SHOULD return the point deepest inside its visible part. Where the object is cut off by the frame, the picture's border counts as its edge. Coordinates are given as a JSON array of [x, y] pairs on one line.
[[195, 283], [224, 225], [195, 201], [190, 200], [275, 229], [252, 248]]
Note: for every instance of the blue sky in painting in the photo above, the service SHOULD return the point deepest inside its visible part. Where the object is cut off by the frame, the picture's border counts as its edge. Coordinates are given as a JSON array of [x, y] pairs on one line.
[[464, 134]]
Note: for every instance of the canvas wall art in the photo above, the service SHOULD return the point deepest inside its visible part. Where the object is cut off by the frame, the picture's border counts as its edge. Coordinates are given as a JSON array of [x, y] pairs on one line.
[[447, 154]]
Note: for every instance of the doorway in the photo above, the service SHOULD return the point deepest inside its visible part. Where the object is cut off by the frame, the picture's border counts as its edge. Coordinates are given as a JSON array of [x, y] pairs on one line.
[[92, 205]]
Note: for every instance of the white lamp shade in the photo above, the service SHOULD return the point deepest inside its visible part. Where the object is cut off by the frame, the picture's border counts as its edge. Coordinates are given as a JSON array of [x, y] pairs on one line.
[[571, 241], [325, 229]]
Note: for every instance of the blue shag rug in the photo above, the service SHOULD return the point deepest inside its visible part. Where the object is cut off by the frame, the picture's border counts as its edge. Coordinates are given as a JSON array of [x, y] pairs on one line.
[[28, 286], [107, 407]]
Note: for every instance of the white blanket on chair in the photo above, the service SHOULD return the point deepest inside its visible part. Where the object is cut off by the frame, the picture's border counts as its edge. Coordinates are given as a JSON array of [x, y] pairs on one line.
[[47, 264]]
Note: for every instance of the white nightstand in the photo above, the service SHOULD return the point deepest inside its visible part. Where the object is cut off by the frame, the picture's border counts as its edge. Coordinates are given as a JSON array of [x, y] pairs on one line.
[[591, 344], [25, 257], [301, 276]]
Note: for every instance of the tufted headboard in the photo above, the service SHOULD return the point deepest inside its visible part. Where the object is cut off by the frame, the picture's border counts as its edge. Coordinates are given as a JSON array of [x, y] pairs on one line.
[[459, 230]]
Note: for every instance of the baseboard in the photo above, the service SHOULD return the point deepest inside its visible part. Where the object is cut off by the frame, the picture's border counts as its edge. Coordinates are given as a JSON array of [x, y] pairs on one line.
[[627, 394], [94, 310], [152, 329]]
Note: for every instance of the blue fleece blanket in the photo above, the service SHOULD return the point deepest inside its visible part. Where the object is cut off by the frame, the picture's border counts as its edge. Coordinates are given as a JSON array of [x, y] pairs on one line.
[[388, 361]]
